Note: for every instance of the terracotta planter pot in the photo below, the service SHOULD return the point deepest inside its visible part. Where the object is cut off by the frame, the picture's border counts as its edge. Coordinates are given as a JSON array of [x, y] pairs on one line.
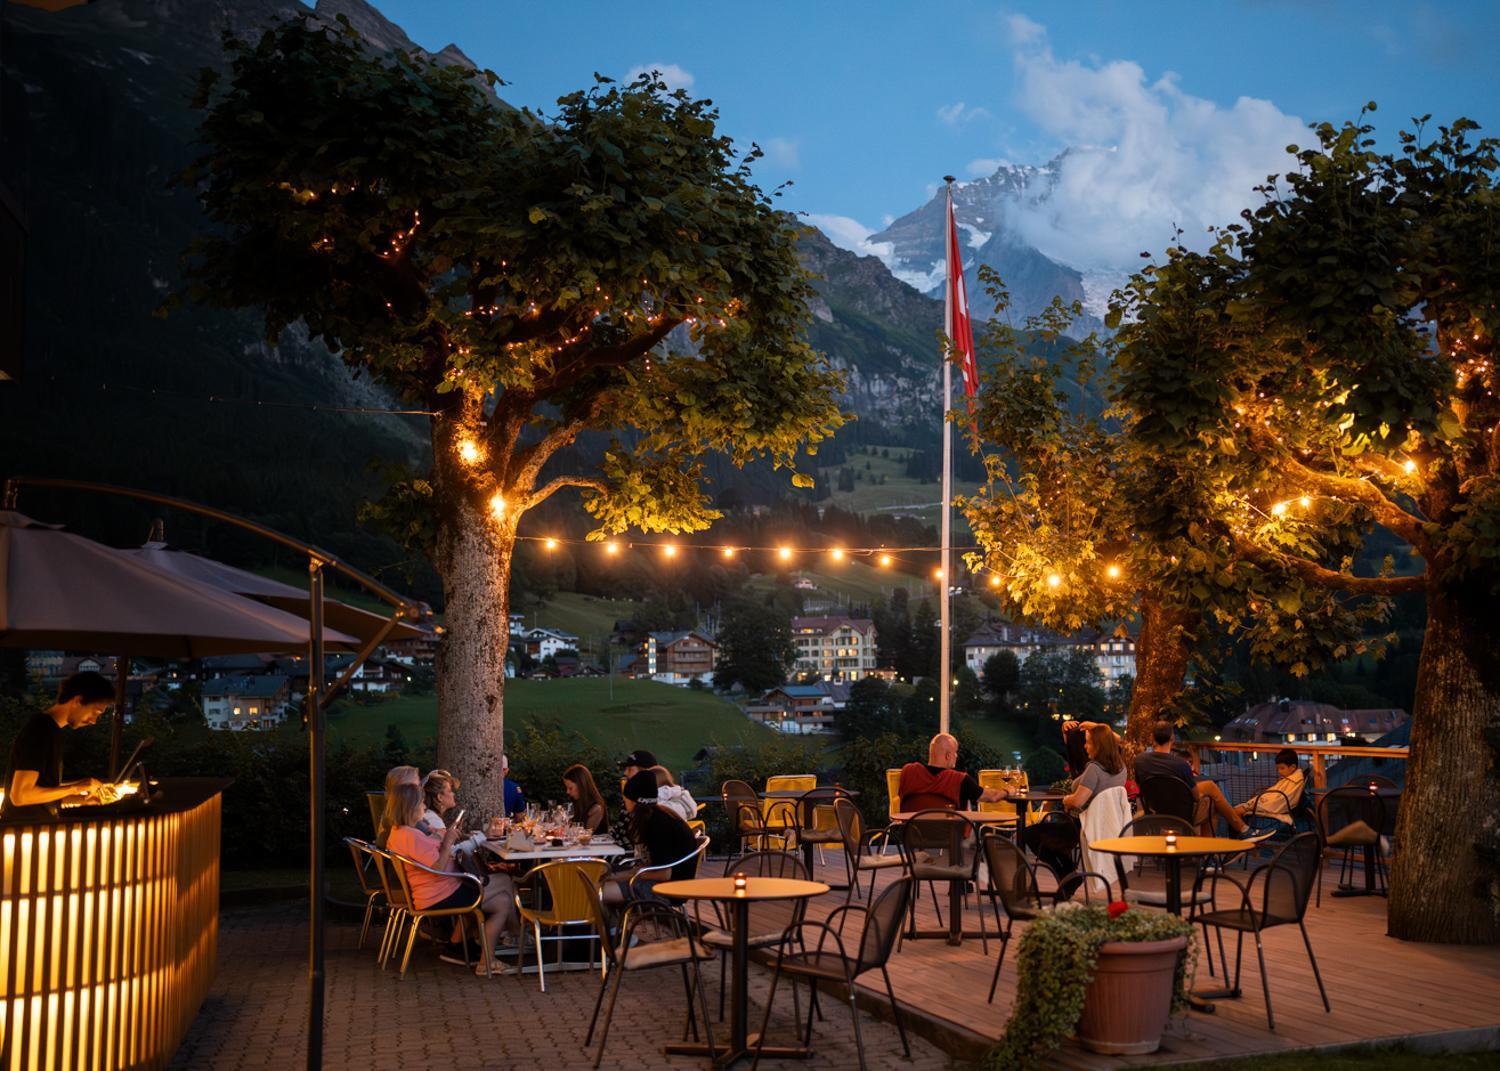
[[1127, 1003]]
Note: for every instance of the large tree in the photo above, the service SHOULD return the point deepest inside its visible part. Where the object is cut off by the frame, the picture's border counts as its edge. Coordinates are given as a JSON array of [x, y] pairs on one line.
[[755, 646], [519, 277], [1328, 369]]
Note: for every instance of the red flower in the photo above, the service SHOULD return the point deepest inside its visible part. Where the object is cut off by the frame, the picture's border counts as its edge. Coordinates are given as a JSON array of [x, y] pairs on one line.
[[1117, 908]]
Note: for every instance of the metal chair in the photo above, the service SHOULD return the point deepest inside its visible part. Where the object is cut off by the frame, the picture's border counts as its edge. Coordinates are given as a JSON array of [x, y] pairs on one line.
[[818, 825], [396, 904], [376, 802], [1286, 884], [681, 949], [1168, 795], [566, 907], [419, 915], [856, 843], [774, 813], [367, 869], [1350, 818], [747, 821], [1194, 895], [663, 871], [768, 926], [938, 845], [1012, 885], [876, 942]]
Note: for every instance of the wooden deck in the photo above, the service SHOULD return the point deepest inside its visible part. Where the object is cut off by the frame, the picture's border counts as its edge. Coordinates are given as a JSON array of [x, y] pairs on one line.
[[1381, 989]]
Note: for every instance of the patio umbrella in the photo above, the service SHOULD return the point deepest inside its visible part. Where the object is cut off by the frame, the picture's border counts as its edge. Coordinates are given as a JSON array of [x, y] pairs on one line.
[[338, 615], [62, 591]]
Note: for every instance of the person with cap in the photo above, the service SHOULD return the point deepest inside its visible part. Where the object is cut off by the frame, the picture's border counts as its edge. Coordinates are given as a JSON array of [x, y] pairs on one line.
[[35, 785], [658, 834], [635, 762]]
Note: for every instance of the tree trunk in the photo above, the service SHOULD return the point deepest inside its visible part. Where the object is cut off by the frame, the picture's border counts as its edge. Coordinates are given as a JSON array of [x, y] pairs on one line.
[[1161, 661], [473, 557], [1442, 888]]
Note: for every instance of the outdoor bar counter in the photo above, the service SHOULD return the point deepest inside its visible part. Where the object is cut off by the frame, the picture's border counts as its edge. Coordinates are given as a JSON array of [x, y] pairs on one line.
[[109, 925]]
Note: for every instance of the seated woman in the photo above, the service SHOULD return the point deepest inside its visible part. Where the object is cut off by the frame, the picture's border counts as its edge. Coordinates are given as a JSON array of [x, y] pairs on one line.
[[441, 890], [669, 794], [588, 804], [396, 775], [658, 835], [1055, 843], [438, 796]]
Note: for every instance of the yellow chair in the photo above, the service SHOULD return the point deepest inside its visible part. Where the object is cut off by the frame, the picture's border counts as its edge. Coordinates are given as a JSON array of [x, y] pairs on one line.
[[893, 790], [371, 882], [698, 826], [783, 817], [376, 802], [1003, 810], [569, 906], [403, 865]]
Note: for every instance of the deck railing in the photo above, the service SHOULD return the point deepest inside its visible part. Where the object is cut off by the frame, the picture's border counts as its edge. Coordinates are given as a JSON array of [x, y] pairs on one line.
[[1320, 759]]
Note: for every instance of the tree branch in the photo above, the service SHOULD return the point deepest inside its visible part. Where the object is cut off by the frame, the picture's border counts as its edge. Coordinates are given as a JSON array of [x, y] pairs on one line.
[[604, 357], [541, 494], [1330, 578], [1406, 525]]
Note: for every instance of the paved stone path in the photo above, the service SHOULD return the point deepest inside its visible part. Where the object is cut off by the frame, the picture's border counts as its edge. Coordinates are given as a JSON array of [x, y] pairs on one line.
[[443, 1018]]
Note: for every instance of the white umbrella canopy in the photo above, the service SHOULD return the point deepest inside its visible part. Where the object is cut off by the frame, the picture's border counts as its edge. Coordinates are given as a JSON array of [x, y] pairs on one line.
[[62, 591], [362, 624]]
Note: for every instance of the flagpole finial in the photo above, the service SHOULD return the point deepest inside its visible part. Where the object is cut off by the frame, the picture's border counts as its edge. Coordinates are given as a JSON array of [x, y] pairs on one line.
[[948, 179]]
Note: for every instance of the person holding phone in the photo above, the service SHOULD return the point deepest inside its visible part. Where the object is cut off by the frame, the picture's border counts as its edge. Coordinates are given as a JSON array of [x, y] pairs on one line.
[[35, 786], [441, 890]]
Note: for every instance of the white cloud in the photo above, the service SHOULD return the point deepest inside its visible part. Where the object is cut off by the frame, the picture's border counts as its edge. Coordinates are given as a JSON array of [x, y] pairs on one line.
[[954, 114], [780, 152], [673, 75], [1158, 157], [984, 166], [852, 235]]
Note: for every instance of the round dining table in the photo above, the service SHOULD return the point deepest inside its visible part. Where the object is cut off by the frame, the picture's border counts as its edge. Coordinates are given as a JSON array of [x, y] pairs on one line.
[[737, 894]]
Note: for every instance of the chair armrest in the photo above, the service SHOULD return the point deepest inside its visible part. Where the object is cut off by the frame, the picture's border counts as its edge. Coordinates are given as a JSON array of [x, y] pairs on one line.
[[825, 931], [1243, 890], [842, 910]]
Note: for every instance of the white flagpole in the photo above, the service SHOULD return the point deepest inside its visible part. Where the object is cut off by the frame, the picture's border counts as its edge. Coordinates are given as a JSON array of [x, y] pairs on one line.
[[945, 580]]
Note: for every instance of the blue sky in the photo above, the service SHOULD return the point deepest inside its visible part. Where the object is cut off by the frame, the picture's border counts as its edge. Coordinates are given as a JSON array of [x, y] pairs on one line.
[[864, 106]]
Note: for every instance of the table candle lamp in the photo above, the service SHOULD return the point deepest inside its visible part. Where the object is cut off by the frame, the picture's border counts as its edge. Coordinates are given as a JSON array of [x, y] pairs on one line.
[[1374, 787], [1171, 841], [739, 885]]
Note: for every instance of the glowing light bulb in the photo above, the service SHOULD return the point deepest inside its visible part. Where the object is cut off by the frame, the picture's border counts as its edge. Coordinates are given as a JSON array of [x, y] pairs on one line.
[[1054, 580], [1304, 501], [1112, 571], [937, 574], [1278, 509], [885, 561], [669, 549], [469, 451], [784, 553], [837, 554], [1410, 466], [611, 547], [551, 543], [497, 504], [728, 552], [994, 581]]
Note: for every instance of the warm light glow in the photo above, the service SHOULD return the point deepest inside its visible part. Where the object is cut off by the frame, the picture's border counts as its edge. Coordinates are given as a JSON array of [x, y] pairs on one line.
[[669, 549], [937, 574], [497, 504], [994, 581], [611, 547], [1304, 501], [1112, 571], [885, 561], [728, 552], [837, 554], [1410, 466], [1278, 509], [784, 553], [550, 544], [1053, 580], [468, 449]]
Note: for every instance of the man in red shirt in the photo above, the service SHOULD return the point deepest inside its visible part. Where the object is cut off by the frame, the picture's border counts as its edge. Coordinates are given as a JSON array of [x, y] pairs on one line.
[[936, 783]]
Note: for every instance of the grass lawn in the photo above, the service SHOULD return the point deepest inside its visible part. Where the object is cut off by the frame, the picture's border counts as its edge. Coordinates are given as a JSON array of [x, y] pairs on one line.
[[1001, 736], [673, 722], [588, 617], [1374, 1058], [899, 494], [854, 582]]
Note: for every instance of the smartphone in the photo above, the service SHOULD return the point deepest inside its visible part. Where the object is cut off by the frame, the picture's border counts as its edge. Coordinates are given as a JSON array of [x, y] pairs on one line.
[[458, 819]]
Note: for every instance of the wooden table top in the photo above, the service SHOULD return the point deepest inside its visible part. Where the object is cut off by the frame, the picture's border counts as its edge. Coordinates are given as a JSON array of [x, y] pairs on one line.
[[1185, 846], [724, 889], [931, 812]]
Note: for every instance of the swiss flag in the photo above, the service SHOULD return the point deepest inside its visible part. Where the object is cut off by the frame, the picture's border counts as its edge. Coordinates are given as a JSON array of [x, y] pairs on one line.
[[957, 319]]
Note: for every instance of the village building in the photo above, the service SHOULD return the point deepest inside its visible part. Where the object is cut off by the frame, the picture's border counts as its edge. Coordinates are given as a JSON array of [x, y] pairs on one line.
[[837, 648]]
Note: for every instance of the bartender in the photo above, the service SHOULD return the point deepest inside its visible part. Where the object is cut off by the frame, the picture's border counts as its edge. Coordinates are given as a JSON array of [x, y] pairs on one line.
[[36, 786]]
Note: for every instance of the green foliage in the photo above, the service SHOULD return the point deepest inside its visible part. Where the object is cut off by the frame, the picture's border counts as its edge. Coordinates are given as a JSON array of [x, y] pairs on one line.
[[755, 646], [1054, 966], [1064, 681], [752, 764], [1044, 766], [873, 709], [541, 751]]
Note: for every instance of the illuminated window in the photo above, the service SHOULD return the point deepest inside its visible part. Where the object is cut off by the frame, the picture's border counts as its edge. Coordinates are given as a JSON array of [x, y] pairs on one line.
[[236, 710]]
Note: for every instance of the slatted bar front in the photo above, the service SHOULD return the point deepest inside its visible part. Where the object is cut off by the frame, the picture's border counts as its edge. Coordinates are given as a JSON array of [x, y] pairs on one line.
[[109, 928]]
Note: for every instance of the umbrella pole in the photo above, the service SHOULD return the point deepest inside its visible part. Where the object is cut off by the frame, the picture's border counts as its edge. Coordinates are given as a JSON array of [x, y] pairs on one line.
[[315, 670], [117, 725]]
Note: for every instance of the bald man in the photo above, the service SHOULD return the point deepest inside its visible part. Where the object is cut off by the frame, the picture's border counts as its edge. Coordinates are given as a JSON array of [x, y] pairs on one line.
[[936, 783]]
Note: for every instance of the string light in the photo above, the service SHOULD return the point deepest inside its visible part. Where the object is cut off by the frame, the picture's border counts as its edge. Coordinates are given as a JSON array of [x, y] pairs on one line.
[[1112, 571], [1278, 509], [784, 553], [728, 552], [937, 574], [1304, 501], [669, 550], [885, 561], [612, 547], [1409, 466], [837, 554], [550, 544], [1053, 580], [994, 581], [497, 504], [469, 450]]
